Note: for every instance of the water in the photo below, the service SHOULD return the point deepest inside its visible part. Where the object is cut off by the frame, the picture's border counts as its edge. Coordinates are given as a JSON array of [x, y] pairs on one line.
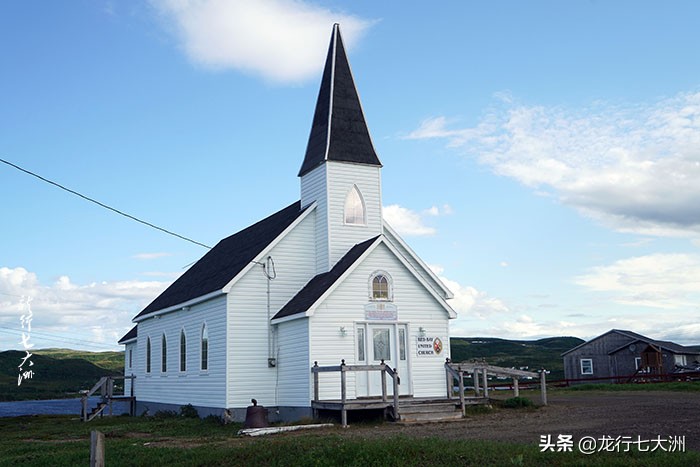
[[55, 407]]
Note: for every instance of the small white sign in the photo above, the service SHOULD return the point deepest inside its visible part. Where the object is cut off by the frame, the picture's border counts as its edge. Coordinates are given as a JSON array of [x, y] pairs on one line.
[[380, 311], [428, 346]]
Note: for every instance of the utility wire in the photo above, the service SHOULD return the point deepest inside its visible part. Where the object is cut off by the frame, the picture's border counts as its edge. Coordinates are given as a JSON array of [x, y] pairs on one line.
[[57, 338], [87, 198]]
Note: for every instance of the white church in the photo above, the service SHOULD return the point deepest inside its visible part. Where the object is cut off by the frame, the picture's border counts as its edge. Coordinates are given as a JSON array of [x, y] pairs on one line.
[[321, 281]]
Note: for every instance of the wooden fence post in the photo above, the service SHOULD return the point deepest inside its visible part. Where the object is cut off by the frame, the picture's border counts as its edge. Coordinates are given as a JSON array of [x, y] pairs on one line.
[[396, 394], [516, 389], [461, 392], [97, 449], [475, 377], [543, 386], [343, 395], [486, 383], [315, 382], [448, 378], [383, 376]]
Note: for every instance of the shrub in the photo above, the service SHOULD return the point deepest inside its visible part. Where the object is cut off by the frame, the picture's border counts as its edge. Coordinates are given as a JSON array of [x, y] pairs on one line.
[[165, 414], [188, 411], [517, 402]]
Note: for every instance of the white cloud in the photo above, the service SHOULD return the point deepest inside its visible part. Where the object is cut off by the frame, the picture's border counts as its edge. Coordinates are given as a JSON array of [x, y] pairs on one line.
[[281, 40], [634, 168], [669, 281], [147, 256], [435, 211], [99, 312], [468, 301], [405, 221]]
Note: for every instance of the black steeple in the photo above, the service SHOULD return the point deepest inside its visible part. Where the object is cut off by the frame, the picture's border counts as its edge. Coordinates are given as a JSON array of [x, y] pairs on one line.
[[338, 131]]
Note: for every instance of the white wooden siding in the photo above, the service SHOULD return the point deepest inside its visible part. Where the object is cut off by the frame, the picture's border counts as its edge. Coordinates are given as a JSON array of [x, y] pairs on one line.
[[196, 387], [345, 306], [341, 178], [293, 363], [248, 373], [314, 188], [411, 258], [129, 370]]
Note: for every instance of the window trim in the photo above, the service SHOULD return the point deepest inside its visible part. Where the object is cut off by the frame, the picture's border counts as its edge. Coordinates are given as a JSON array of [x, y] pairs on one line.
[[131, 358], [590, 360], [389, 284], [355, 190], [204, 352], [148, 355], [164, 354], [183, 351]]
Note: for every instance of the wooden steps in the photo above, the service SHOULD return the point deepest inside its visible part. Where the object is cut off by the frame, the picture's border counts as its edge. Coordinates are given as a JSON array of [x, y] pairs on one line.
[[432, 410], [97, 410]]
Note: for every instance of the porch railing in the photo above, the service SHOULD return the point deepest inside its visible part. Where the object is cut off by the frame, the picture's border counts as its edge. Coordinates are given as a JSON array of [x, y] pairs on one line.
[[343, 369], [480, 371], [105, 386]]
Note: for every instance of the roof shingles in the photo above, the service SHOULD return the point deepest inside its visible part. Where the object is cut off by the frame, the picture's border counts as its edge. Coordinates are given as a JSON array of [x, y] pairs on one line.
[[223, 262], [320, 283]]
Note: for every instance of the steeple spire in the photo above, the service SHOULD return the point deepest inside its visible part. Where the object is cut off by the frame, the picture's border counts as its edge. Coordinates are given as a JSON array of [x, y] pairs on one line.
[[339, 131]]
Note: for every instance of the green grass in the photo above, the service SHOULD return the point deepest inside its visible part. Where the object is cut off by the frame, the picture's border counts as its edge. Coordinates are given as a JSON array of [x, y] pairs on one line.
[[64, 441], [689, 386]]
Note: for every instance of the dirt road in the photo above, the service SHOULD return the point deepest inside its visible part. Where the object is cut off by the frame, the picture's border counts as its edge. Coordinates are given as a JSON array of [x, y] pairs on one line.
[[645, 414]]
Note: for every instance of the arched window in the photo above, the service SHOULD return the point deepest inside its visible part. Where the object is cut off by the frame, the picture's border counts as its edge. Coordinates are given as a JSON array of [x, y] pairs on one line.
[[148, 355], [205, 349], [355, 207], [183, 351], [380, 286], [164, 355]]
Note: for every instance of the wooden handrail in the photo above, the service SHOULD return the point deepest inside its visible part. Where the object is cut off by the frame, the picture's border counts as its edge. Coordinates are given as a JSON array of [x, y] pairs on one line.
[[457, 370], [106, 387], [343, 369]]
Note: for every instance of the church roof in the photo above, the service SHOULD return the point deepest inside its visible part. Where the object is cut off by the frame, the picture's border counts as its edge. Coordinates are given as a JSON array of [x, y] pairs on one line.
[[339, 131], [320, 283], [131, 335], [223, 262]]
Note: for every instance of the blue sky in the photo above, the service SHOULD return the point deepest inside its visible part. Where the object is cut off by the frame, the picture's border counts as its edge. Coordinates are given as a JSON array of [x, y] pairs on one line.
[[541, 156]]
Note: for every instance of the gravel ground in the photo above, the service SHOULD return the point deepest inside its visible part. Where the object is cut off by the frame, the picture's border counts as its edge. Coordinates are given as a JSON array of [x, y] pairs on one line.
[[647, 414]]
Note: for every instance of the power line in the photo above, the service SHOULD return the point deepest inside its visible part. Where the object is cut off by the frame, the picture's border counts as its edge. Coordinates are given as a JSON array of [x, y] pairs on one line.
[[56, 338], [87, 198]]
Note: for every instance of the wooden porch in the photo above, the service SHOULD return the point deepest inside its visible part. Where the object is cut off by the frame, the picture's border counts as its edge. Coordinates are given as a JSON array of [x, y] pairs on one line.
[[105, 388], [408, 408]]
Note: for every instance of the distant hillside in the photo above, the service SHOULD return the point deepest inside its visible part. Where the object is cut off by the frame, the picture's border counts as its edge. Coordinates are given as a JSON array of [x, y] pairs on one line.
[[53, 377], [110, 360], [541, 353]]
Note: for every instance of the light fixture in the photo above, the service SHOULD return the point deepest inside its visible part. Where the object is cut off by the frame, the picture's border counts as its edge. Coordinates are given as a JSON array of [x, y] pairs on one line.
[[421, 331], [343, 332]]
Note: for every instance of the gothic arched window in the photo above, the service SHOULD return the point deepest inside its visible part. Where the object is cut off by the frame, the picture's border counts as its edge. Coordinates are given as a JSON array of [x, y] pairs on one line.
[[380, 286], [355, 208]]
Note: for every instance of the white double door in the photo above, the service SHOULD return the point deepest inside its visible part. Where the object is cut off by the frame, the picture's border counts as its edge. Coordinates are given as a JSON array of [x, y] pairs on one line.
[[377, 342]]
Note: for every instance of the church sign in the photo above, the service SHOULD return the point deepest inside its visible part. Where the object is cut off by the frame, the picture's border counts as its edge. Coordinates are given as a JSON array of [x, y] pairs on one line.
[[380, 311], [429, 346]]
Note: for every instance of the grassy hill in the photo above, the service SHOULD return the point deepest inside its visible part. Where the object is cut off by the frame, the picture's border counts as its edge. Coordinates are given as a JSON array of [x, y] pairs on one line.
[[110, 360], [64, 372], [57, 373], [536, 354]]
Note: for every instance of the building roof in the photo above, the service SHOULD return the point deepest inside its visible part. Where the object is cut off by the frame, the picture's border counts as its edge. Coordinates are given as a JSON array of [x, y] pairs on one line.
[[635, 337], [339, 131], [320, 283], [131, 335], [223, 262]]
